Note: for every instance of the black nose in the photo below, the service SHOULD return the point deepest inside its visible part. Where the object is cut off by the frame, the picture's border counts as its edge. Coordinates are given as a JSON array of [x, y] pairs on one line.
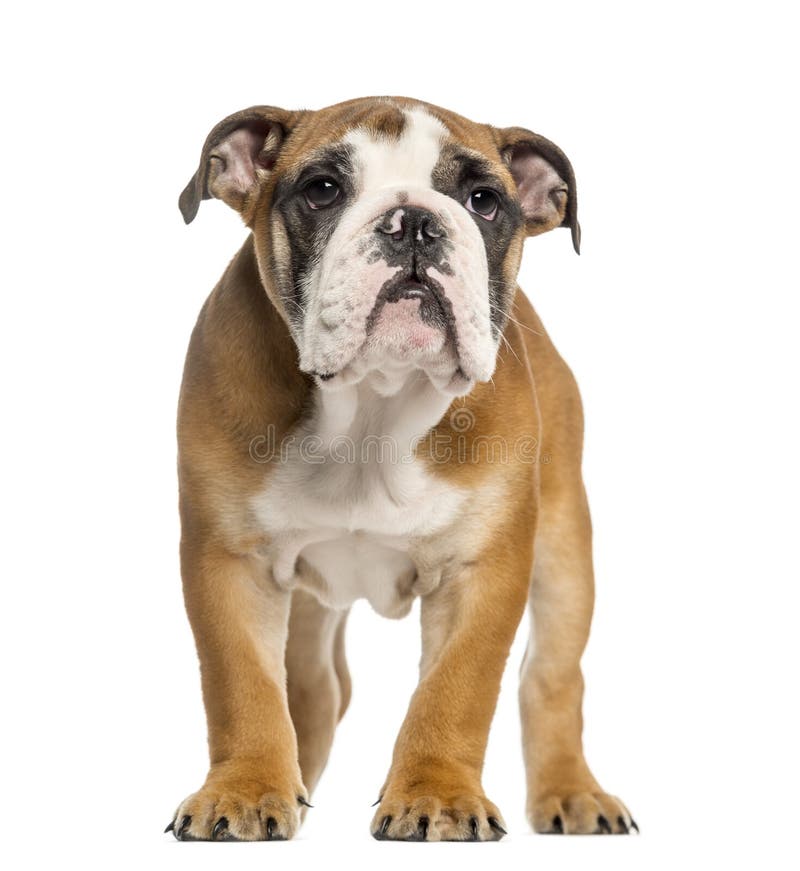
[[411, 225]]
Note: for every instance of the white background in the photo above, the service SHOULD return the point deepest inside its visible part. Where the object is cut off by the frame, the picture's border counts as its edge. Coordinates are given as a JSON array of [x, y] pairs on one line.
[[679, 319]]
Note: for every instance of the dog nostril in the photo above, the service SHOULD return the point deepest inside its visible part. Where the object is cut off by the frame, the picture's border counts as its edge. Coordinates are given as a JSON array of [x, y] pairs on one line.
[[423, 226], [431, 229], [396, 233], [393, 225]]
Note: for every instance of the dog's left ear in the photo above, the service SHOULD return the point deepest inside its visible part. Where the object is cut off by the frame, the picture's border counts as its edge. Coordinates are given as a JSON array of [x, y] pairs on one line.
[[545, 181], [238, 153]]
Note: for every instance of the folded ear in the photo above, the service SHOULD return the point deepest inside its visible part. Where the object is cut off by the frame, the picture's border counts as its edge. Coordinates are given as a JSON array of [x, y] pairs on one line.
[[238, 153], [545, 181]]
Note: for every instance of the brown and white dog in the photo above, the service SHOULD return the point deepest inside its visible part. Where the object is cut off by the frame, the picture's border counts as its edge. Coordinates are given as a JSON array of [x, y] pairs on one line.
[[366, 398]]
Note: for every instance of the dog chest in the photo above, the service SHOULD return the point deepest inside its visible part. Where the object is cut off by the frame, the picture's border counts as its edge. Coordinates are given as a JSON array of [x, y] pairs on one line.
[[347, 531]]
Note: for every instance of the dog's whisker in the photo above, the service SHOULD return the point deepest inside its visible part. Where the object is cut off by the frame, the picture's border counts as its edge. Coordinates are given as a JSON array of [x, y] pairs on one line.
[[514, 320]]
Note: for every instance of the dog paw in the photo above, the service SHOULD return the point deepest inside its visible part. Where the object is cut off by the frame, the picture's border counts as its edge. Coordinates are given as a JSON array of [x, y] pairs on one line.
[[240, 808], [431, 817], [581, 813]]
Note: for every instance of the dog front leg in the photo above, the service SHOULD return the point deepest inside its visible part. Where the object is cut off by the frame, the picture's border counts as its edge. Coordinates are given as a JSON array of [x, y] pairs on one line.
[[239, 618], [433, 790], [563, 795]]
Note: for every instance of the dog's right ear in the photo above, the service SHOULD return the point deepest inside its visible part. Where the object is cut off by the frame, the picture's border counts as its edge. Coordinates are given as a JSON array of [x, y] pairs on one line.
[[238, 153]]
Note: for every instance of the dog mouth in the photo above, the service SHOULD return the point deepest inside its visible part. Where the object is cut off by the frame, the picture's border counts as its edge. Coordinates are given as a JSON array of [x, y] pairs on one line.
[[434, 307], [411, 323]]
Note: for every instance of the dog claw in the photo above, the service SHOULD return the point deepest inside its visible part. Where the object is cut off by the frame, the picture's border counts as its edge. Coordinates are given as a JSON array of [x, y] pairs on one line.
[[496, 826], [376, 803], [272, 824], [422, 828], [170, 827], [634, 826], [623, 825], [304, 801], [604, 825], [181, 831], [558, 825], [473, 827], [380, 835], [219, 829]]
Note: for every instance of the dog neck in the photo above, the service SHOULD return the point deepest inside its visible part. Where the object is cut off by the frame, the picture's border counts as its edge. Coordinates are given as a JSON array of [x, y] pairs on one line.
[[398, 405]]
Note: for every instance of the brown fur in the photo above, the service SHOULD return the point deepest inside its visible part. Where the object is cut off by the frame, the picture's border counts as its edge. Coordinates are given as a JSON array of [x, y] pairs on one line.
[[275, 681]]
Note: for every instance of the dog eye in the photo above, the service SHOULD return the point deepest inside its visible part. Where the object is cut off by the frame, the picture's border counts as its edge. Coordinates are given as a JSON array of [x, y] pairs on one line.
[[321, 193], [483, 202]]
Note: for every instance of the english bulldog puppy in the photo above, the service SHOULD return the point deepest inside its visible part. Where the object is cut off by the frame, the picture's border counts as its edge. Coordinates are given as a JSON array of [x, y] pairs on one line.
[[372, 409]]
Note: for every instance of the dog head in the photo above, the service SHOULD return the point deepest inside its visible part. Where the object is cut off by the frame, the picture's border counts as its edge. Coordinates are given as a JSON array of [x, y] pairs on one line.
[[388, 231]]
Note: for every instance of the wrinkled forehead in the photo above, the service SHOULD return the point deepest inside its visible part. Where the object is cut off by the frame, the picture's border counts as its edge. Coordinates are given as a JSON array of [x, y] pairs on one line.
[[391, 145]]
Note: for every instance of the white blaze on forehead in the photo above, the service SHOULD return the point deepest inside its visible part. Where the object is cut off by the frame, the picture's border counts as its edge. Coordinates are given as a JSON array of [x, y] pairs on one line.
[[407, 160]]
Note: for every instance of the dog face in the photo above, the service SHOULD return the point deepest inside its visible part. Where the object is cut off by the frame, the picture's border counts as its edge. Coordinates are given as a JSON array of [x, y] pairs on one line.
[[388, 232]]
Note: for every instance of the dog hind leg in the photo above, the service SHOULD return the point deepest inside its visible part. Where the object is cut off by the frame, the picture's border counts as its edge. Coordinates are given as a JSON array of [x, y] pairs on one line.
[[318, 680]]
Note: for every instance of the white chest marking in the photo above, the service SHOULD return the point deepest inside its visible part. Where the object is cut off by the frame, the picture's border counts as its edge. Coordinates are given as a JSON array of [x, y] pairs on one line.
[[349, 500]]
